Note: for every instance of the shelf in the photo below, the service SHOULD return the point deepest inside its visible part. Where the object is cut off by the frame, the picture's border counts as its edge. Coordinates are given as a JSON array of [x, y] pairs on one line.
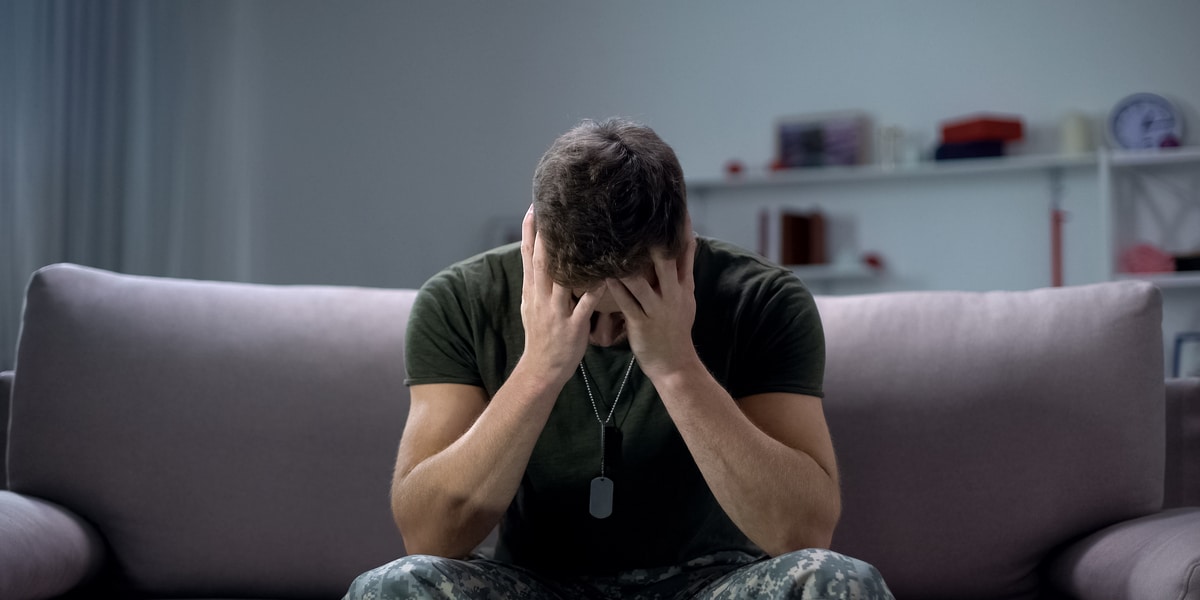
[[969, 166], [1161, 156], [1110, 168], [1183, 279], [832, 272]]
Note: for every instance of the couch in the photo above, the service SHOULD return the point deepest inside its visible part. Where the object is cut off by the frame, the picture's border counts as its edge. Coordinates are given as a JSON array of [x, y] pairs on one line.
[[173, 438]]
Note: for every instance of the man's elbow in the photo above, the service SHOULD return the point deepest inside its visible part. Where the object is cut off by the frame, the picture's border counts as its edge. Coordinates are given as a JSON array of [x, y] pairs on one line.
[[804, 541], [431, 542], [816, 531], [452, 532], [416, 546], [801, 541]]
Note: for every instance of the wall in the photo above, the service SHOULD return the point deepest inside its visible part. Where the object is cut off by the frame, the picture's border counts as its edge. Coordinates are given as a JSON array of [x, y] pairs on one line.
[[391, 138]]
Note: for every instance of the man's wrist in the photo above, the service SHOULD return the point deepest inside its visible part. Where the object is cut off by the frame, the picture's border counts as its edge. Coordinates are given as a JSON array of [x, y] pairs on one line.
[[540, 379], [678, 375]]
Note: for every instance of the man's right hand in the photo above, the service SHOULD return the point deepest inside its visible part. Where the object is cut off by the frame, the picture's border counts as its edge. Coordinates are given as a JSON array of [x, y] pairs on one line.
[[556, 325]]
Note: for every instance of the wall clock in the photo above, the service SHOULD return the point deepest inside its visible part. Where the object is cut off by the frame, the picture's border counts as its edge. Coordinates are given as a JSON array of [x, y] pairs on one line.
[[1142, 121]]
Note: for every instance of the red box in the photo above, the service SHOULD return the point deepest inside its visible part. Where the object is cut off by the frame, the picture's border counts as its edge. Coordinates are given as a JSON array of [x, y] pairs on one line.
[[981, 128]]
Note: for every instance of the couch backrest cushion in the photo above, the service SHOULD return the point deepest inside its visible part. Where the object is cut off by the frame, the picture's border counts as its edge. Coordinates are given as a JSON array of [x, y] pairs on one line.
[[225, 439], [977, 431]]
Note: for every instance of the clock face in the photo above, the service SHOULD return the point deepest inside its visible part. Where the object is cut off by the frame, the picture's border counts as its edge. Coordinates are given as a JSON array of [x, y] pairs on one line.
[[1146, 121]]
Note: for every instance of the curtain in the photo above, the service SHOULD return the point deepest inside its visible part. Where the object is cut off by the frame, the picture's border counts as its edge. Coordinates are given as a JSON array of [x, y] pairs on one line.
[[95, 162]]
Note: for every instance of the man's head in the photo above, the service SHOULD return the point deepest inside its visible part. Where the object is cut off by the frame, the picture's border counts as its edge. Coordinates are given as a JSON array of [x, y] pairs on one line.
[[605, 194]]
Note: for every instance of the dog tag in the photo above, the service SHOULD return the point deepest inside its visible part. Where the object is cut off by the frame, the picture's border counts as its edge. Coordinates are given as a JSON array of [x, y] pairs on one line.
[[600, 502]]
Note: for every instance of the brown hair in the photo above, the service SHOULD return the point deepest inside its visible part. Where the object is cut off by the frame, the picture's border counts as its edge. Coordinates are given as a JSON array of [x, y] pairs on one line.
[[605, 193]]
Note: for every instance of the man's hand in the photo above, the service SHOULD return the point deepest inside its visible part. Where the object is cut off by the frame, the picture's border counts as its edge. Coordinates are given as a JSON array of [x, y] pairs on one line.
[[463, 454], [556, 325], [659, 318]]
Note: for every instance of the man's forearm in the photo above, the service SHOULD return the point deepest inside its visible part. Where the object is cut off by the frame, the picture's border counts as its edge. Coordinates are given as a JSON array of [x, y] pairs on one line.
[[449, 502], [780, 497]]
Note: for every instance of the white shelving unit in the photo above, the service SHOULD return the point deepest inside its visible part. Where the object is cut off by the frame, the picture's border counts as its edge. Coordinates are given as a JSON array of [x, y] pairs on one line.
[[1115, 223], [1110, 167], [957, 168], [1124, 190], [1166, 280], [705, 191], [832, 272]]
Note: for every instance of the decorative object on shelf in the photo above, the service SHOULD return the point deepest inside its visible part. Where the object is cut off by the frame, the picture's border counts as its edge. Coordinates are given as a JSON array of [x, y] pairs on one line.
[[822, 140], [873, 260], [896, 147], [982, 127], [1187, 354], [959, 150], [1146, 258], [1145, 121], [802, 238], [1075, 134], [1187, 262], [890, 147], [791, 236], [978, 136]]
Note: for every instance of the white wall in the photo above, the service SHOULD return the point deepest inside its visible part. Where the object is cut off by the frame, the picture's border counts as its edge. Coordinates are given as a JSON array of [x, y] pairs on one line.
[[388, 137]]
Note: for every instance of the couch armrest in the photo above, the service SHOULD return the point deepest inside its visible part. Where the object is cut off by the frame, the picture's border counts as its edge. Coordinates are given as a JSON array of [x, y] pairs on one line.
[[1182, 483], [1157, 556], [46, 550]]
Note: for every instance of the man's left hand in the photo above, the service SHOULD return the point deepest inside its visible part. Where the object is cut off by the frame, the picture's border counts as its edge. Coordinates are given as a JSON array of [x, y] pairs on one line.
[[659, 318]]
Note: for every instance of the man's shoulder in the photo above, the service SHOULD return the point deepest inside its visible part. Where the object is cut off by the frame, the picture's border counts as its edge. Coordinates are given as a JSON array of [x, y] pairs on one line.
[[729, 267], [728, 251], [485, 285], [481, 272]]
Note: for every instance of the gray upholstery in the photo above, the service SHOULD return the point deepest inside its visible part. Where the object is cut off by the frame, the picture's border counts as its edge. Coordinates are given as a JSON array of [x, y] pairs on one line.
[[1102, 567], [44, 549], [236, 440], [226, 440], [6, 379], [1183, 443], [977, 431]]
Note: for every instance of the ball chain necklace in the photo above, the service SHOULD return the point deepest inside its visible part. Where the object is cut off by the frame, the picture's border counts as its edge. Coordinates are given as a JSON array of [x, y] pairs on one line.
[[600, 500]]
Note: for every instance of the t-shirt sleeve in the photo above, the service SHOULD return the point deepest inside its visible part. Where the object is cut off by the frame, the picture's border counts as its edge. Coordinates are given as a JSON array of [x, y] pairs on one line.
[[785, 348], [438, 343]]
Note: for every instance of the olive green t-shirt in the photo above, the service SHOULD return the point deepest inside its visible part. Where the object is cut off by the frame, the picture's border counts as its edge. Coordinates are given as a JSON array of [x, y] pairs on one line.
[[756, 329]]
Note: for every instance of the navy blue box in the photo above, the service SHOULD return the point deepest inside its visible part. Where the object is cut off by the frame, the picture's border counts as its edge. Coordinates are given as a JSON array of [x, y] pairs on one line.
[[980, 149]]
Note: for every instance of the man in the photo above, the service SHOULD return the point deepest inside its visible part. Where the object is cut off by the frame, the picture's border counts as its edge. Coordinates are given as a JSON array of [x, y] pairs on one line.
[[637, 408]]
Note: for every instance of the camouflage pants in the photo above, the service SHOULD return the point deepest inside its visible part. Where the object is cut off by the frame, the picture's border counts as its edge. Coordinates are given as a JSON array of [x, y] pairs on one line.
[[806, 574]]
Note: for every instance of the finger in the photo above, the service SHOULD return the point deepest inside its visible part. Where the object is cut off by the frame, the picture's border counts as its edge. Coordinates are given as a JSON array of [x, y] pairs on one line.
[[625, 299], [642, 292], [561, 298], [664, 267], [528, 233], [541, 277], [639, 287], [588, 301], [687, 263]]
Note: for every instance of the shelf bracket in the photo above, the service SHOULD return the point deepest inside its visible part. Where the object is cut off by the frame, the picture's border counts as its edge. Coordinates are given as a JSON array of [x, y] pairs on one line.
[[1058, 216]]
